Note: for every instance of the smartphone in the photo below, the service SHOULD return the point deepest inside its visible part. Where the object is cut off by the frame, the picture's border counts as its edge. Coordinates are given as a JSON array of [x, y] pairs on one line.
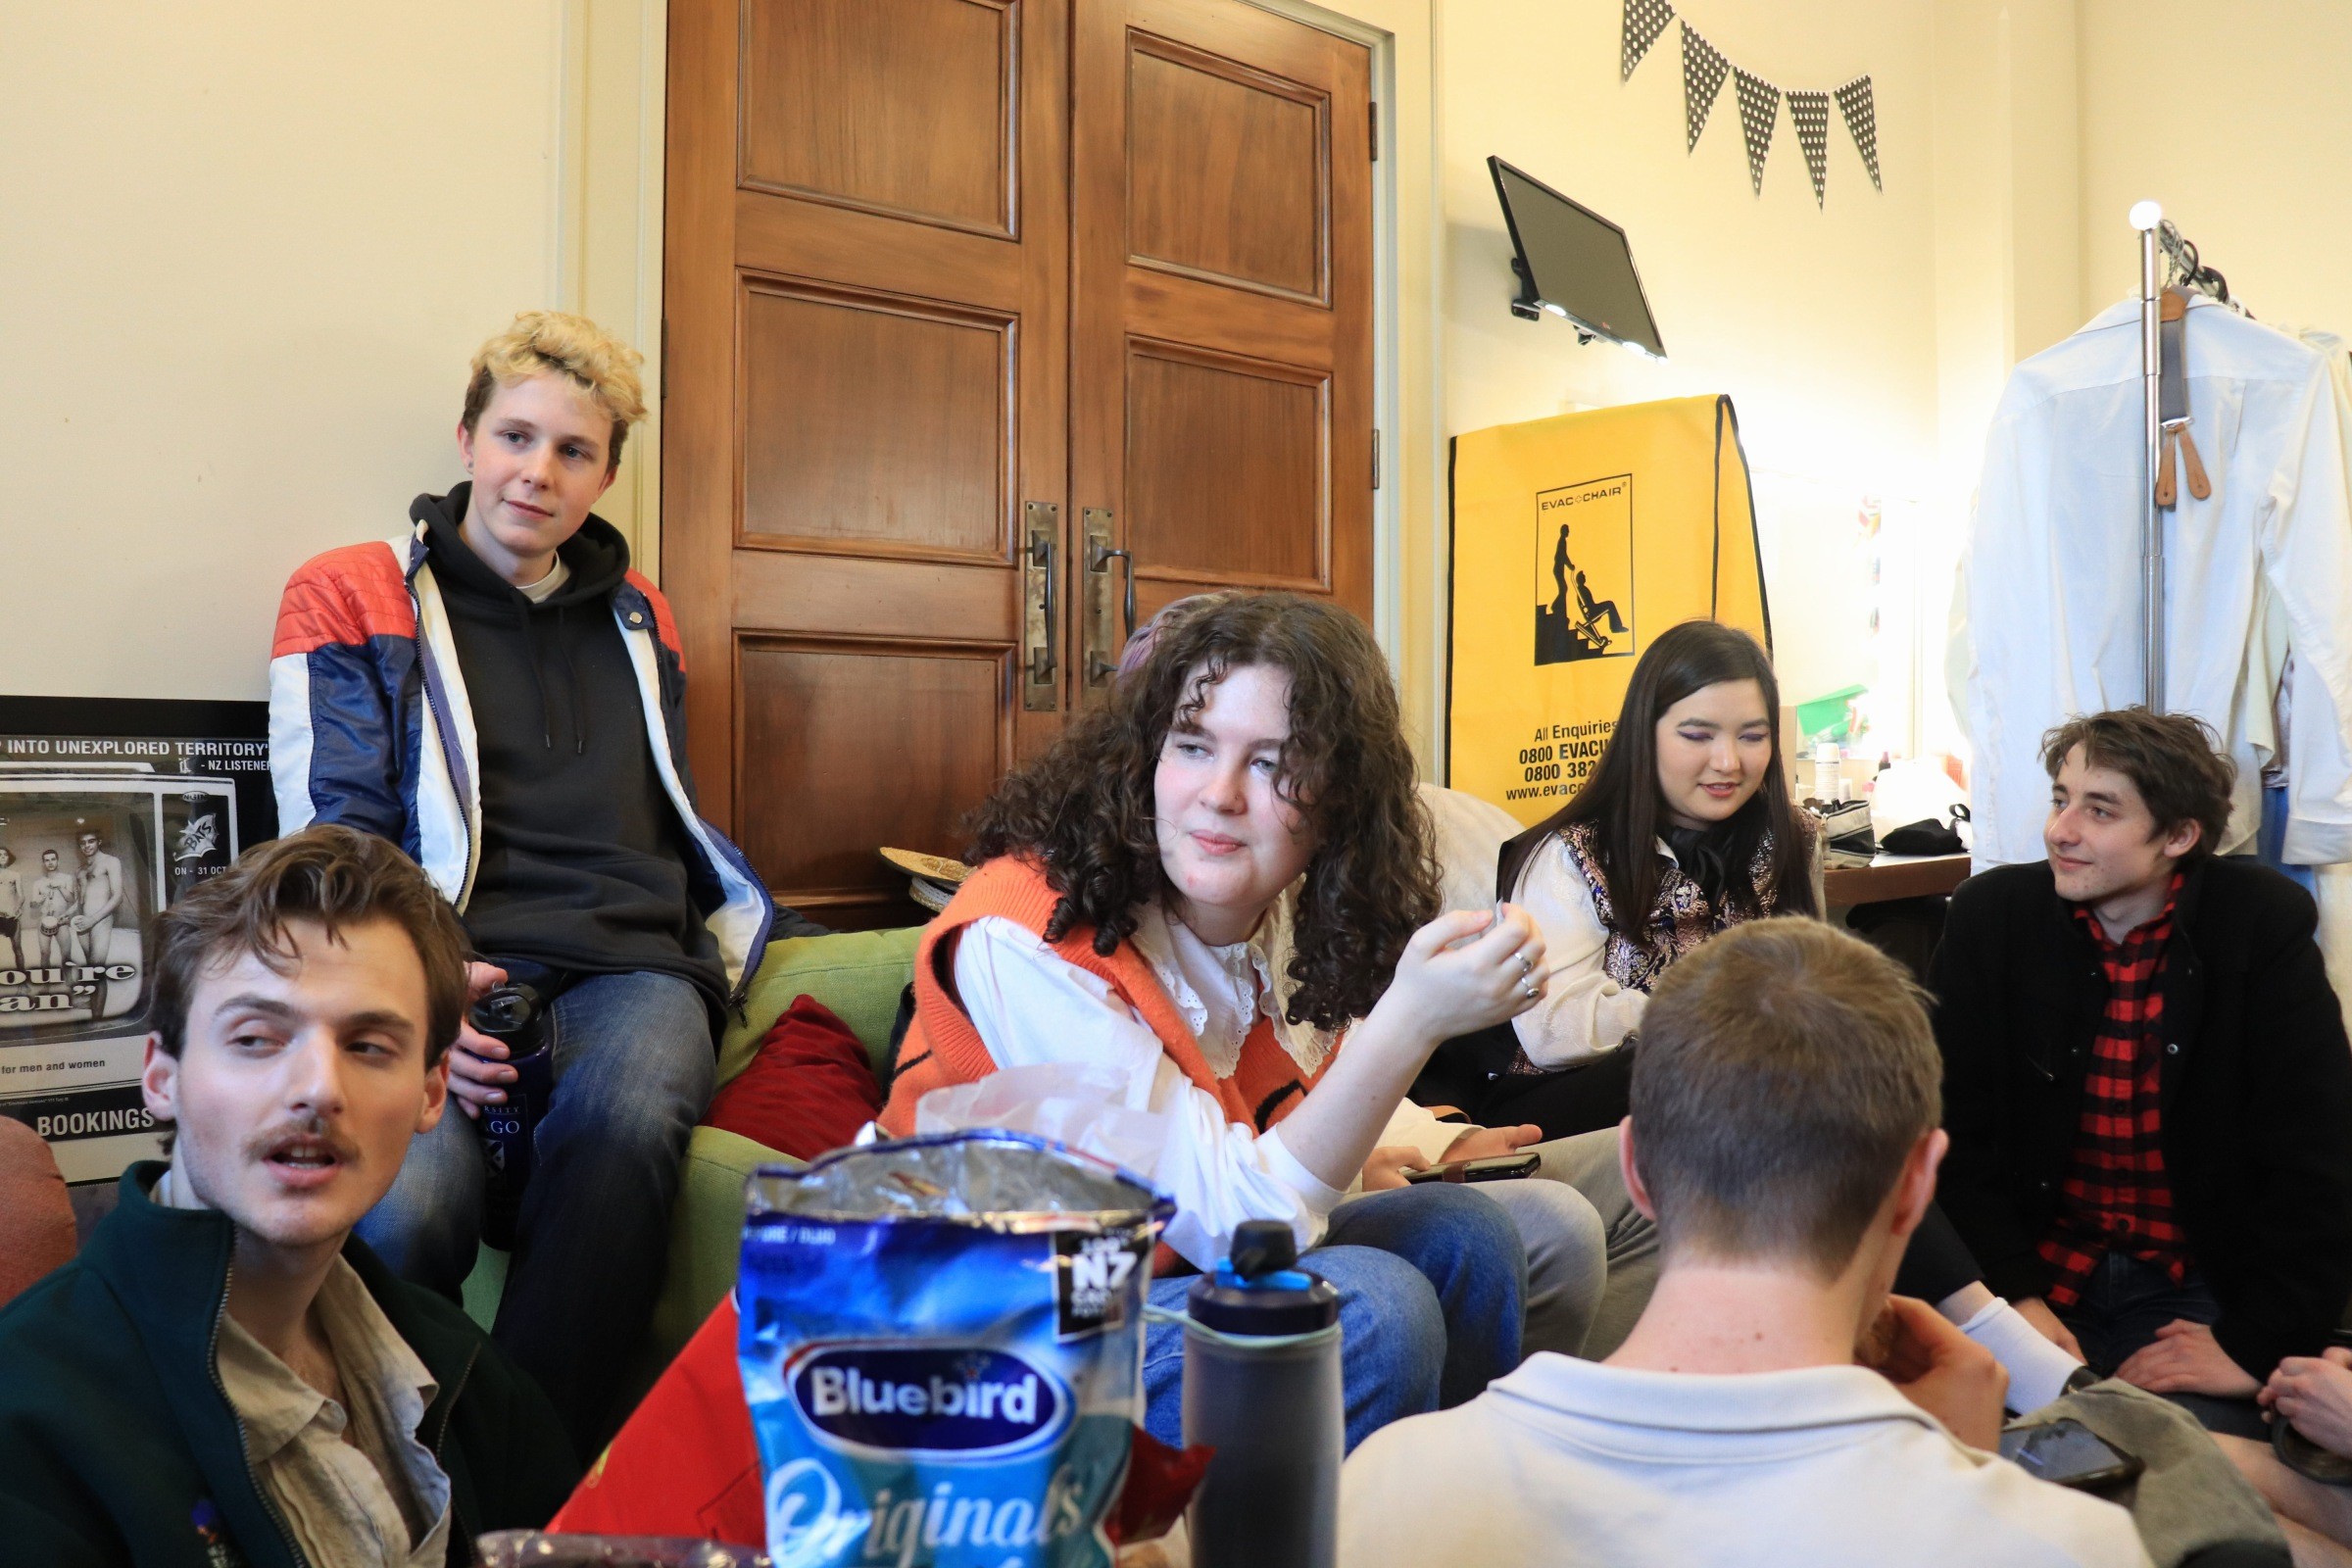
[[2069, 1453], [1500, 1168]]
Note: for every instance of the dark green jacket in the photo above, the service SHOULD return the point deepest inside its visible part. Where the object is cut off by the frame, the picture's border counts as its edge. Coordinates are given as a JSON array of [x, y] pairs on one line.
[[118, 1445]]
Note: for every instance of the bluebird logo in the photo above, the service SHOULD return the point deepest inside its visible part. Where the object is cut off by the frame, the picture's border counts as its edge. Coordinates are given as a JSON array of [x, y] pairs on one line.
[[960, 1401]]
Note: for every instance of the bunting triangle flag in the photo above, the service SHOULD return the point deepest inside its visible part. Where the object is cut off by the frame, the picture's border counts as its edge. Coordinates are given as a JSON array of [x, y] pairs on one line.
[[1759, 108], [1703, 71], [1862, 120], [1809, 112], [1645, 20]]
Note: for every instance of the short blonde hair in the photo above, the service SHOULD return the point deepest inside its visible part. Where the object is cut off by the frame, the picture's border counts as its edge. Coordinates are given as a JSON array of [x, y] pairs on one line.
[[545, 342]]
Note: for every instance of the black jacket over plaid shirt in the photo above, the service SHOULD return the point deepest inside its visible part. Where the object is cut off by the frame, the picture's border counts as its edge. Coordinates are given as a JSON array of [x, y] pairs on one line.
[[2255, 1097], [2115, 1195]]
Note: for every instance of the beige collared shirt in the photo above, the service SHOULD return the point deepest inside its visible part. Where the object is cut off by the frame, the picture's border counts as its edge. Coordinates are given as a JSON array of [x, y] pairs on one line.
[[354, 1481]]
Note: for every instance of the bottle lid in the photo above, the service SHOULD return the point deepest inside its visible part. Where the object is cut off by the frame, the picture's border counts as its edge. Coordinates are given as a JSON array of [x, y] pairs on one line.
[[1258, 1291]]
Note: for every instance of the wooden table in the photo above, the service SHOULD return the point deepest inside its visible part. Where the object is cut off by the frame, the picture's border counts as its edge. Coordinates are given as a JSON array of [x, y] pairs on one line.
[[1895, 876]]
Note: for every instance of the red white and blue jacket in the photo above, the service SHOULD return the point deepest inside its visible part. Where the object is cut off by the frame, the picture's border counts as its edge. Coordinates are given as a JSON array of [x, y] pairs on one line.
[[370, 726]]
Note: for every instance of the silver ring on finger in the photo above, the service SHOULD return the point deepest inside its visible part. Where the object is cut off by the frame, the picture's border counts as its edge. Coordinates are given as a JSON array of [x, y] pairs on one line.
[[1530, 990], [1527, 964]]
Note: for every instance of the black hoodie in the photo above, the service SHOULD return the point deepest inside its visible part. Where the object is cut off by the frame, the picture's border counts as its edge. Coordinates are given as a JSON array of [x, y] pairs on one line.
[[583, 862]]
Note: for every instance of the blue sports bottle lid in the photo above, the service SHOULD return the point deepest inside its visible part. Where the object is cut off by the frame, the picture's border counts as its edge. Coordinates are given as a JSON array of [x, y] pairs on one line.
[[1259, 1290]]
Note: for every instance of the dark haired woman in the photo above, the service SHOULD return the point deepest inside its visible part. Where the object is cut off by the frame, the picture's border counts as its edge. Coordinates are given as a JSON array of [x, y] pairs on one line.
[[1689, 820], [1130, 913], [1683, 829]]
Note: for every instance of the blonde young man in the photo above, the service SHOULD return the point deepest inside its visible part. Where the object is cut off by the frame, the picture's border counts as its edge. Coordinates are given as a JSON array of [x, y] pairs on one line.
[[497, 692]]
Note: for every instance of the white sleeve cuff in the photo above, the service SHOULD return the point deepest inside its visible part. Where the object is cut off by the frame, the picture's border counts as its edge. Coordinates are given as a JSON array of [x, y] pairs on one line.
[[1319, 1197]]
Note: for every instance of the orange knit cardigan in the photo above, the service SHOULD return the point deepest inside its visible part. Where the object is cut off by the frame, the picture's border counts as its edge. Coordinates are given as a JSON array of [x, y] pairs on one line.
[[942, 1047]]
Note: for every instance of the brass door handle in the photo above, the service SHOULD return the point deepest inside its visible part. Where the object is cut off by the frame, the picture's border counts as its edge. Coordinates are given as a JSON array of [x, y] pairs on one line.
[[1101, 658], [1041, 606]]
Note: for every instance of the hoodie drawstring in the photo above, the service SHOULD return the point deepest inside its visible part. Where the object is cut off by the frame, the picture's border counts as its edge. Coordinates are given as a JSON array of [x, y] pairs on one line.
[[579, 701], [523, 619]]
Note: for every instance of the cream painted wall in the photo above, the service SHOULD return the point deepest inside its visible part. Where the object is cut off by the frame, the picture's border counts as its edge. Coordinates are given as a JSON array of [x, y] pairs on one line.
[[1820, 322], [242, 282], [2237, 119], [248, 250]]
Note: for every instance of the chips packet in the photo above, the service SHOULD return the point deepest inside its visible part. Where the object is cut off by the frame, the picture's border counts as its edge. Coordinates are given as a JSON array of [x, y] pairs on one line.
[[941, 1351]]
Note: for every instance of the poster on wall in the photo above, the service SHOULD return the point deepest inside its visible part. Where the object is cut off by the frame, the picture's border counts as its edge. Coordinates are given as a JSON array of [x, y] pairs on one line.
[[1576, 539], [110, 808]]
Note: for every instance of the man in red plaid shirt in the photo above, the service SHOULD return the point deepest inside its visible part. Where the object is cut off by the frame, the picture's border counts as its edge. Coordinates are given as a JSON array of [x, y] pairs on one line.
[[2147, 1083]]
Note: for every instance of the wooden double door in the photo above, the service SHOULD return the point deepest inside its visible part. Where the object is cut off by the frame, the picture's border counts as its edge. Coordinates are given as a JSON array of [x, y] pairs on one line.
[[990, 325]]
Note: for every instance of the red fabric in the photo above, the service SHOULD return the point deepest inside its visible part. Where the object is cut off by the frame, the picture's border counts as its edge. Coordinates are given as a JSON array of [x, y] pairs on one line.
[[36, 1220], [686, 1464], [344, 596], [665, 625], [2116, 1195], [808, 1089]]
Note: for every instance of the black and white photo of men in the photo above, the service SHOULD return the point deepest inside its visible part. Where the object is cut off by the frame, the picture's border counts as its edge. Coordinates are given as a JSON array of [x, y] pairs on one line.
[[52, 902], [99, 895], [12, 907]]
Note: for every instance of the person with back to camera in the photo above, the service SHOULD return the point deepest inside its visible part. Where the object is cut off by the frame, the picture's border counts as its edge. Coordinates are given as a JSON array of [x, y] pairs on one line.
[[226, 1374], [497, 692], [1687, 816], [1218, 885], [2147, 1082], [1784, 1138]]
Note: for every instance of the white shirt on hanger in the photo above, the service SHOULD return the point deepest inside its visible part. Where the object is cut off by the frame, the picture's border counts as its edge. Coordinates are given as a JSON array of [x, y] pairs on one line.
[[2048, 625]]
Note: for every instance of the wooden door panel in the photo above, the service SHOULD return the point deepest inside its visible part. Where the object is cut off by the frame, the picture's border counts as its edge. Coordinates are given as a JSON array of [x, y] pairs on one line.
[[1257, 510], [921, 729], [886, 255], [867, 226], [1230, 321], [911, 447], [779, 591], [1221, 311], [901, 106], [1228, 172]]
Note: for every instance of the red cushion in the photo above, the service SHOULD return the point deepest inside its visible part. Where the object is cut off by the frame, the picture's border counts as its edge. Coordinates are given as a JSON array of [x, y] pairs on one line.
[[686, 1463], [808, 1089], [37, 1219]]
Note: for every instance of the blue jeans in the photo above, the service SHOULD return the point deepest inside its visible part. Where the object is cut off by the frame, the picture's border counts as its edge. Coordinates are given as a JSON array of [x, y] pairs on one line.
[[1432, 1284], [2124, 1303], [634, 1070]]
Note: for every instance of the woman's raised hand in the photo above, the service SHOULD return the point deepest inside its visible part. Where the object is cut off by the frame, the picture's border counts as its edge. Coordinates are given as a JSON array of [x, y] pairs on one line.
[[1466, 970]]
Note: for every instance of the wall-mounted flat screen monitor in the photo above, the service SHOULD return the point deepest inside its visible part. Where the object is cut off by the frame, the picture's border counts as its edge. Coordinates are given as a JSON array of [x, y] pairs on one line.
[[1574, 263]]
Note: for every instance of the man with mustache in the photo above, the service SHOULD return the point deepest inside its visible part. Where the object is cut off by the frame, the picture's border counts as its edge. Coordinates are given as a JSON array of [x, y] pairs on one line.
[[226, 1374]]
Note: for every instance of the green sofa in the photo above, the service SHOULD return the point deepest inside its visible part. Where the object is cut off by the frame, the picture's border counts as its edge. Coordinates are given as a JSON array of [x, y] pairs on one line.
[[859, 974]]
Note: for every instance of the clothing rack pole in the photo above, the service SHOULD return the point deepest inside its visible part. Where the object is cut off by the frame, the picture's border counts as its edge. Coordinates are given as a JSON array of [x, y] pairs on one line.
[[2146, 217]]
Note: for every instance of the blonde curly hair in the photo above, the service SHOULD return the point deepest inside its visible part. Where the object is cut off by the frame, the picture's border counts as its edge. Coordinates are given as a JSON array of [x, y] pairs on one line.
[[551, 342]]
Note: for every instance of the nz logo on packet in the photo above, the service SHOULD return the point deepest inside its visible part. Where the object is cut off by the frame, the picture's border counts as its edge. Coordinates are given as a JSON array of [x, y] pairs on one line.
[[1091, 1271], [900, 1400]]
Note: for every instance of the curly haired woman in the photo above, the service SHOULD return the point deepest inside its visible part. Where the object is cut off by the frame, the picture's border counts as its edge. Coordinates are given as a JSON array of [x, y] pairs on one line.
[[1134, 908]]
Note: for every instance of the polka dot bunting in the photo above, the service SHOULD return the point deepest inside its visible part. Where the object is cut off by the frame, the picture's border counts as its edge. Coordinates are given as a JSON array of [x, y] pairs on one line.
[[1809, 112], [1861, 113], [1759, 109], [1645, 20], [1703, 71]]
